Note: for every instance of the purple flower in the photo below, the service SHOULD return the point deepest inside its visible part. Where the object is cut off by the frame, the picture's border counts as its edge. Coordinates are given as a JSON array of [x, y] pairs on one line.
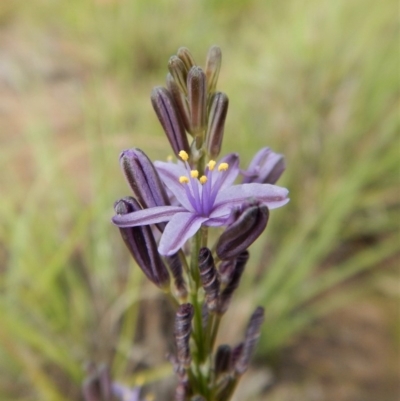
[[266, 167], [207, 199]]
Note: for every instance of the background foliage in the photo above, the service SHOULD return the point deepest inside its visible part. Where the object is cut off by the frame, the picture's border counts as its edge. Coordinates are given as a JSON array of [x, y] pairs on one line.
[[315, 80]]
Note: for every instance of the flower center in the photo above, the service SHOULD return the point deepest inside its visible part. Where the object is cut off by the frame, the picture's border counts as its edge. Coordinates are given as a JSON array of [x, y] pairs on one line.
[[202, 191]]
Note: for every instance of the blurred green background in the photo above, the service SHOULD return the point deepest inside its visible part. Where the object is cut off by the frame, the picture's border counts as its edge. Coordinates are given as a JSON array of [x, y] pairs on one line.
[[315, 80]]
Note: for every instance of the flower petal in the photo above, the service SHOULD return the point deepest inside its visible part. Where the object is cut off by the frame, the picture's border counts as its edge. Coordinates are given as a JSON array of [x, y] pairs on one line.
[[270, 195], [170, 173], [179, 229], [144, 217]]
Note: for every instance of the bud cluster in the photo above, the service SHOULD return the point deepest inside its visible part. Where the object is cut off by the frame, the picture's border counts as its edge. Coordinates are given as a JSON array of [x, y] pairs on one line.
[[174, 206], [190, 105]]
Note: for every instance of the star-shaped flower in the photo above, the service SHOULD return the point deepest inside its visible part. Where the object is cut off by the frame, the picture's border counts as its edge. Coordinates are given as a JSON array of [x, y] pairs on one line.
[[204, 200]]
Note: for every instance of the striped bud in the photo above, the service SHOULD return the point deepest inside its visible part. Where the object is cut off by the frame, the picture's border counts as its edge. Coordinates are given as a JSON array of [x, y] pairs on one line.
[[250, 341], [197, 97], [216, 123], [223, 360], [209, 278], [143, 178], [239, 235], [184, 54], [183, 329], [213, 65], [225, 270], [226, 294], [167, 112], [179, 72], [175, 266], [180, 101], [142, 246]]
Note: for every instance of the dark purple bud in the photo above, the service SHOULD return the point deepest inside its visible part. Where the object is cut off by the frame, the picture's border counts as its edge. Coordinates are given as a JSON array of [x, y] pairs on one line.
[[266, 167], [209, 278], [98, 386], [197, 97], [223, 360], [143, 178], [179, 72], [180, 101], [250, 341], [183, 329], [142, 246], [167, 112], [175, 265], [247, 227], [184, 54], [236, 352], [226, 294], [216, 123], [225, 270], [213, 65]]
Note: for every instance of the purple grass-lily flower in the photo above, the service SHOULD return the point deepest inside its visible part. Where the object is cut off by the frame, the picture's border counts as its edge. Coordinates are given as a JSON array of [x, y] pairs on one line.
[[204, 200]]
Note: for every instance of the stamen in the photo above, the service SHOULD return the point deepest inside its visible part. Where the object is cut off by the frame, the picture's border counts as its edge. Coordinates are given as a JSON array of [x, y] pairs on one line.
[[170, 158], [183, 179], [183, 155], [194, 173], [211, 164], [203, 179], [223, 167]]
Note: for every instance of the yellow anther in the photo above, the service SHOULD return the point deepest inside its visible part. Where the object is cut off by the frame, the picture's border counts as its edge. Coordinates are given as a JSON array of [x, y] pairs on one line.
[[183, 155], [211, 164], [170, 158], [223, 167], [203, 179], [183, 179], [194, 173]]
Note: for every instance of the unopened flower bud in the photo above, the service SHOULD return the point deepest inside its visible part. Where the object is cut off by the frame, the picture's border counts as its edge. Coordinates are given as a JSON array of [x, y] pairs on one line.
[[238, 236], [213, 65], [142, 246], [225, 270], [266, 167], [167, 112], [223, 360], [209, 278], [180, 101], [236, 275], [179, 72], [250, 341], [216, 123], [175, 265], [143, 178], [197, 97], [183, 329], [184, 54]]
